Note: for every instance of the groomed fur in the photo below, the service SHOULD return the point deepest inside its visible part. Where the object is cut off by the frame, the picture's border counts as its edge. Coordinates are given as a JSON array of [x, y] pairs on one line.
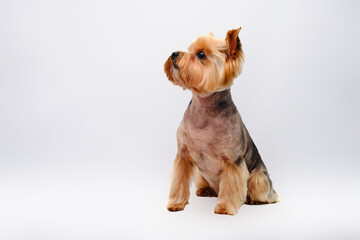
[[232, 188], [212, 74], [181, 178], [212, 139], [260, 190]]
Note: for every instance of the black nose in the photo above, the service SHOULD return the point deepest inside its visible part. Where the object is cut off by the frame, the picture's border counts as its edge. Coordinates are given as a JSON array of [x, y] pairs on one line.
[[174, 55]]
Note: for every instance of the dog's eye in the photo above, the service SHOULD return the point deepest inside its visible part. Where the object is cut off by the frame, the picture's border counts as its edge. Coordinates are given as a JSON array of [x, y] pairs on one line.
[[201, 55]]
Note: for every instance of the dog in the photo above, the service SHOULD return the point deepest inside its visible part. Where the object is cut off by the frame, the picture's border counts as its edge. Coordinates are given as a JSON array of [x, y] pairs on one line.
[[212, 141]]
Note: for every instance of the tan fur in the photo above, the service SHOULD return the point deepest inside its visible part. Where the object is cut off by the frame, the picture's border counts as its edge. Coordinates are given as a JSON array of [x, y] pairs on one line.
[[216, 72], [181, 178], [232, 188], [212, 137], [200, 181], [259, 189], [203, 188]]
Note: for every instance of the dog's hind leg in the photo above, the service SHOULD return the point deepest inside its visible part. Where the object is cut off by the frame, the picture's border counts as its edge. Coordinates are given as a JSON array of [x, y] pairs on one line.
[[260, 189], [232, 187], [203, 188]]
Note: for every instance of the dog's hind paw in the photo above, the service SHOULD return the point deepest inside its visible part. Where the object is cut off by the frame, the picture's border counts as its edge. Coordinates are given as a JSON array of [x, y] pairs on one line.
[[206, 192]]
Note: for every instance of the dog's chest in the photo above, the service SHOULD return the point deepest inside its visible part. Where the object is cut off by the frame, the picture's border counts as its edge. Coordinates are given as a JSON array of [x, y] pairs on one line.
[[203, 149], [211, 132], [202, 135], [208, 140]]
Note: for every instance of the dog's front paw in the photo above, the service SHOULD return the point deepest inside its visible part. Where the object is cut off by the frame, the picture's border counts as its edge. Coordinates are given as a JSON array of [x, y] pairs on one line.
[[175, 207], [223, 209]]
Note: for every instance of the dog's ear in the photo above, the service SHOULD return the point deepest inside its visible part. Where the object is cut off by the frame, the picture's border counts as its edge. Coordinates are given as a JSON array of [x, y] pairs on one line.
[[211, 34], [233, 42]]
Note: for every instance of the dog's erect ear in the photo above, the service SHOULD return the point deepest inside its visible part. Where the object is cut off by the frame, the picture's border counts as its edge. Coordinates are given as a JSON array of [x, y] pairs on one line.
[[211, 34], [233, 42]]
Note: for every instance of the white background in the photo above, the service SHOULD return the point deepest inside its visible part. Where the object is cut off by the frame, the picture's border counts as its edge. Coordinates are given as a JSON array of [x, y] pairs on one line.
[[88, 118]]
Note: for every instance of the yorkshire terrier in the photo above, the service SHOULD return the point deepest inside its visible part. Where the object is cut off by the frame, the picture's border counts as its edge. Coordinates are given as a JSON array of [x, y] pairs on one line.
[[213, 142]]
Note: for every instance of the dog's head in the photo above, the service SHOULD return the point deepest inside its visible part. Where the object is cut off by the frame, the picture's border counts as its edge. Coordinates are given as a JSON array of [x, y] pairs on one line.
[[209, 65]]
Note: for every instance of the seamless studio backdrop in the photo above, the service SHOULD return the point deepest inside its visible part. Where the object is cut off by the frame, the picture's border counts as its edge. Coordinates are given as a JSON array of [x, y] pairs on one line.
[[88, 119]]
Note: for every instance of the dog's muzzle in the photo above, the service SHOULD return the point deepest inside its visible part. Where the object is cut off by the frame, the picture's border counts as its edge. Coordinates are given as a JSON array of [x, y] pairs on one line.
[[174, 56]]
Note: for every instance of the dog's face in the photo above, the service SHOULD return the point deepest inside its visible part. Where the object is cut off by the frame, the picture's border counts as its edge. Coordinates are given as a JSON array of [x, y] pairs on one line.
[[209, 65]]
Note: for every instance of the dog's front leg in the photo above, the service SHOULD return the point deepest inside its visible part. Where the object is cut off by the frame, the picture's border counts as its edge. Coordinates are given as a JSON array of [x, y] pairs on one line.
[[232, 187], [180, 183]]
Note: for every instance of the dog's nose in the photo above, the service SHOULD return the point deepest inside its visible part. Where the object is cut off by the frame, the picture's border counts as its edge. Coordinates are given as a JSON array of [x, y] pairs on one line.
[[174, 55]]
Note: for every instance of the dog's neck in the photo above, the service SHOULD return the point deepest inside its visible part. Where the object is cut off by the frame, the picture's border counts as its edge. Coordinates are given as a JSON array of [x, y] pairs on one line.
[[212, 99], [202, 109]]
